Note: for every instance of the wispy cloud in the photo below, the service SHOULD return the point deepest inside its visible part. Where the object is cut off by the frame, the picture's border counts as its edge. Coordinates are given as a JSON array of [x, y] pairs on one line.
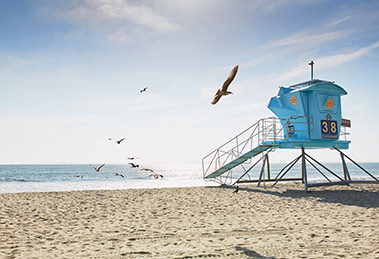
[[9, 63], [106, 12], [116, 21], [329, 61], [338, 21], [305, 39], [269, 6]]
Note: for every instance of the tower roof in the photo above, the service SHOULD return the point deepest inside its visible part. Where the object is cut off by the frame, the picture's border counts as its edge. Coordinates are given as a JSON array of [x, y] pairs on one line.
[[319, 86]]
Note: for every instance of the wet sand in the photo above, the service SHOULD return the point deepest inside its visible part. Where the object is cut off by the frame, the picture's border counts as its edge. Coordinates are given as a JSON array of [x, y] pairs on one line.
[[196, 222]]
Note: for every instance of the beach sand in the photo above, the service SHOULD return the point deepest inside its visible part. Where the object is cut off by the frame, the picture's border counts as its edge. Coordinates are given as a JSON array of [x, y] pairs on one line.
[[196, 222]]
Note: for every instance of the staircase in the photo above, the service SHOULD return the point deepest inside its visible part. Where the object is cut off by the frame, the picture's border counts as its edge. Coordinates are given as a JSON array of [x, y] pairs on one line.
[[259, 138]]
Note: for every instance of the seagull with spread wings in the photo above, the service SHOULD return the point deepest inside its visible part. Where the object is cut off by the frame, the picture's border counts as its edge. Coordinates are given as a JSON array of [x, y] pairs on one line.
[[133, 157], [147, 169], [118, 174], [156, 176], [97, 169], [133, 165], [119, 141], [224, 89]]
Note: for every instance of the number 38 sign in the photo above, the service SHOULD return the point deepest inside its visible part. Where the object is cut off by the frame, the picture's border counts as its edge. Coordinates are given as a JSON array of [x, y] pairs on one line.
[[329, 129]]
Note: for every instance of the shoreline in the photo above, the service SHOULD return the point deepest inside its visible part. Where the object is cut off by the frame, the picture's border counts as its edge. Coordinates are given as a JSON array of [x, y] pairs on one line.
[[65, 186], [185, 222]]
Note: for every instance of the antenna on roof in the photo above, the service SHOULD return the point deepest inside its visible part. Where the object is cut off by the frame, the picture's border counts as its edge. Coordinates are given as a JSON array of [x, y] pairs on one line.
[[311, 64]]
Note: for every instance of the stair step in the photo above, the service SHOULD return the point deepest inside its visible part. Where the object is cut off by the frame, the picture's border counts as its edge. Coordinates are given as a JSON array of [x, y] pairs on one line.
[[238, 161]]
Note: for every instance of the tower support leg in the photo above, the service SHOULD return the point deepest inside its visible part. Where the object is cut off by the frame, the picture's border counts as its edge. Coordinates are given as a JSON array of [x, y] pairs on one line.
[[357, 164], [262, 170], [345, 170], [268, 168], [304, 169]]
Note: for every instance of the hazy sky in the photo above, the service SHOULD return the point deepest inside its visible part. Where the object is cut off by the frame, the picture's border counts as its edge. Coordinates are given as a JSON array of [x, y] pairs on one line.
[[71, 72]]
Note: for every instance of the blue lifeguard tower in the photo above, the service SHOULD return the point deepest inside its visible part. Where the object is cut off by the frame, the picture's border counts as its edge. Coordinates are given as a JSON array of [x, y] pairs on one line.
[[309, 116]]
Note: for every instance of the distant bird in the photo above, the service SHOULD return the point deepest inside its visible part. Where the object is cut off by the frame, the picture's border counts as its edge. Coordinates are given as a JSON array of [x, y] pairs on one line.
[[147, 169], [133, 165], [132, 158], [109, 138], [81, 176], [156, 175], [143, 90], [98, 168], [236, 190], [119, 141], [118, 174], [223, 90]]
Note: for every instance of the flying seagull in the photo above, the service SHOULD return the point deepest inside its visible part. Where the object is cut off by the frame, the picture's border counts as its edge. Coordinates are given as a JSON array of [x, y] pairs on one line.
[[131, 158], [223, 90], [156, 176], [98, 168], [133, 165], [119, 141], [118, 174], [143, 90], [147, 169]]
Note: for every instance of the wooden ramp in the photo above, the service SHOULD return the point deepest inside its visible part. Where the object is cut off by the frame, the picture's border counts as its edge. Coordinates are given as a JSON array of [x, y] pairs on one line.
[[225, 168]]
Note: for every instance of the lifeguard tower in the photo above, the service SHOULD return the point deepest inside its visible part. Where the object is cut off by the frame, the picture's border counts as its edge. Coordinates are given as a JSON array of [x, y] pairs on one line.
[[309, 116]]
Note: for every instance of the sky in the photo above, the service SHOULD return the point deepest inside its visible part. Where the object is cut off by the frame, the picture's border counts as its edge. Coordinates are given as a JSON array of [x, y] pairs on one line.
[[71, 74]]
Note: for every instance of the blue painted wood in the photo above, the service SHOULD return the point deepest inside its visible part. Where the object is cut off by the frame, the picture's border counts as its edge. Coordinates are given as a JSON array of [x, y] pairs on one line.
[[309, 144], [313, 112]]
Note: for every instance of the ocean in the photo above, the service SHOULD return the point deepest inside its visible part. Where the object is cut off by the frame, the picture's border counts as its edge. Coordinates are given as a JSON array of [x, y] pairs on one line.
[[64, 177]]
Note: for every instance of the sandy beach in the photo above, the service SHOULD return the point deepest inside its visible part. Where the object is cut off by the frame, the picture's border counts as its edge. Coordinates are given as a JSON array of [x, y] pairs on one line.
[[196, 222]]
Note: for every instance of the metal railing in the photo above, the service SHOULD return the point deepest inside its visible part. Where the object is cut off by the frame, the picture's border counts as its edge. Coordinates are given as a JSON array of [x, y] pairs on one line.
[[300, 120], [343, 133], [267, 129]]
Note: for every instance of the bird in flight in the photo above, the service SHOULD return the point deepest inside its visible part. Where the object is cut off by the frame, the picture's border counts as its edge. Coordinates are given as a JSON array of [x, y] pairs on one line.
[[118, 174], [147, 169], [97, 169], [132, 158], [133, 165], [143, 90], [119, 141], [156, 175], [224, 89]]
